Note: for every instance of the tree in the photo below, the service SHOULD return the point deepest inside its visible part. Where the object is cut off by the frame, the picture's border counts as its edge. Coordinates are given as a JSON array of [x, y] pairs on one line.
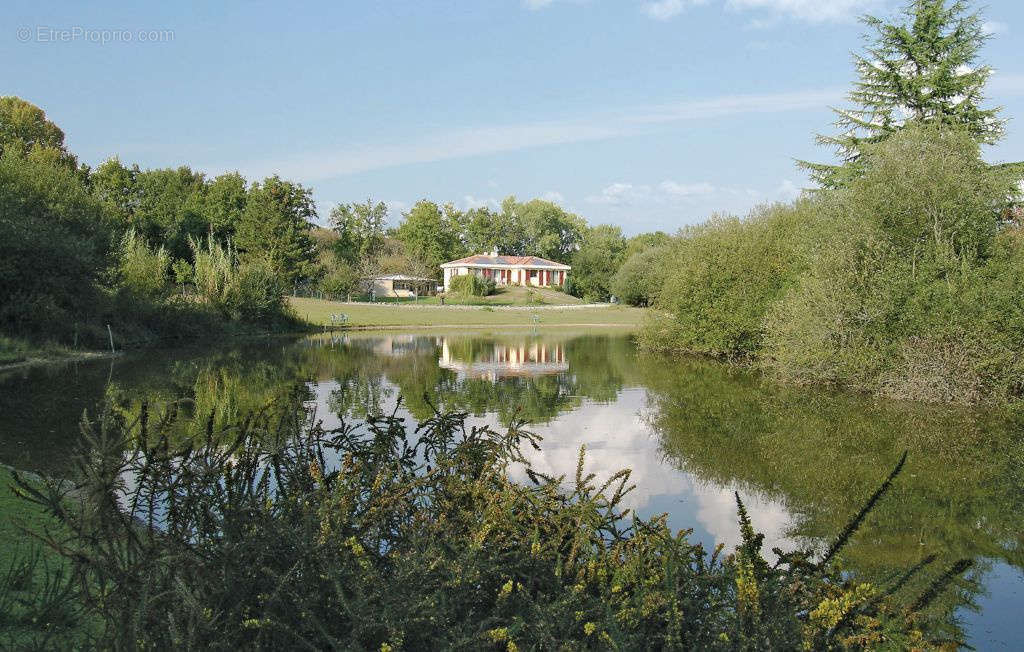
[[545, 229], [922, 70], [114, 185], [23, 125], [599, 256], [53, 245], [275, 226], [485, 230], [431, 234], [360, 229], [223, 204], [927, 189], [644, 241], [169, 208]]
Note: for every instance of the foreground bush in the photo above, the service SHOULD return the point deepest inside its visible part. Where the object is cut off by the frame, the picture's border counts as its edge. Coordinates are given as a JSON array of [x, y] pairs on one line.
[[275, 533]]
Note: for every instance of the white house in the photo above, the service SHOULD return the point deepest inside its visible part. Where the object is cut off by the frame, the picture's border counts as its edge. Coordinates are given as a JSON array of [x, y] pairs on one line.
[[509, 270]]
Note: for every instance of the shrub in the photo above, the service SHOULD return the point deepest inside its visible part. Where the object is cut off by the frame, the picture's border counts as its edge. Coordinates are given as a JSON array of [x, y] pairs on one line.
[[142, 270], [471, 285], [915, 295], [726, 274], [640, 279], [274, 533], [250, 290]]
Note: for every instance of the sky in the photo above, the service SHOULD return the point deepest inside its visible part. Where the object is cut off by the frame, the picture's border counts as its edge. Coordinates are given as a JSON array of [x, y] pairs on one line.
[[648, 114]]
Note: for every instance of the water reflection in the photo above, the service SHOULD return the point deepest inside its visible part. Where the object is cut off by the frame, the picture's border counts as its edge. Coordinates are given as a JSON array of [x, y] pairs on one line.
[[493, 360], [691, 432]]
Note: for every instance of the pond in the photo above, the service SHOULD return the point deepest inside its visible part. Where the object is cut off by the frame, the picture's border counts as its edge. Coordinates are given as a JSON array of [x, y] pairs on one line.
[[693, 432]]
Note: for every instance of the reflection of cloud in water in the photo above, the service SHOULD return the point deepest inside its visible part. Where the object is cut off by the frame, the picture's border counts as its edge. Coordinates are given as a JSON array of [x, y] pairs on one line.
[[617, 436]]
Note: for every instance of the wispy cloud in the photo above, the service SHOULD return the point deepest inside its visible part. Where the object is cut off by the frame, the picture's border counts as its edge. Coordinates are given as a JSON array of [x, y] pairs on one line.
[[991, 27], [479, 141], [628, 194], [666, 9], [812, 11], [553, 196], [470, 202]]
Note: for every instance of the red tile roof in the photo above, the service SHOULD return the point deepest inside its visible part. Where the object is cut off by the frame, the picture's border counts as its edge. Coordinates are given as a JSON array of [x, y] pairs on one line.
[[528, 261]]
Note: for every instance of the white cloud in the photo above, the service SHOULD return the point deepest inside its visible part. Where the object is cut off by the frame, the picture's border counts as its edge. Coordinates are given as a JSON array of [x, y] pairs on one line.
[[470, 202], [534, 5], [479, 141], [553, 196], [813, 11], [788, 191], [627, 194], [991, 27], [619, 194], [663, 9], [674, 189]]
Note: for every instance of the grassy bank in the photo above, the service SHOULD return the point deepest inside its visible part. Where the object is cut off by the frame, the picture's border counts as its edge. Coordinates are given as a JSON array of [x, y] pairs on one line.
[[318, 312], [503, 296]]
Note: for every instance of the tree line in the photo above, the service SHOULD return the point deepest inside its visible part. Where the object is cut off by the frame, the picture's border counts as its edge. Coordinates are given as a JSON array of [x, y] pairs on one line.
[[902, 274], [173, 251]]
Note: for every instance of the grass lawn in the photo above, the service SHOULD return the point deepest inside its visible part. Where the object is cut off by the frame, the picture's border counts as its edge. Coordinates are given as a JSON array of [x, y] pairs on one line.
[[513, 295], [20, 578], [317, 311], [16, 351]]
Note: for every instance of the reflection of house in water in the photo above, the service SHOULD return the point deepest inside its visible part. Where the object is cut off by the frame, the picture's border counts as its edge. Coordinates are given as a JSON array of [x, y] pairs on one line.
[[504, 359]]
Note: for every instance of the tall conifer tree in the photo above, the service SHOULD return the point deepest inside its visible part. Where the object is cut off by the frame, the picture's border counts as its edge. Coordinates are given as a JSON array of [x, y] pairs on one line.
[[924, 68]]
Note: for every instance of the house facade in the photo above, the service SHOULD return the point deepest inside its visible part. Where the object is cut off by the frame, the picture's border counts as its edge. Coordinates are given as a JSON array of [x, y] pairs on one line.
[[509, 270], [398, 286]]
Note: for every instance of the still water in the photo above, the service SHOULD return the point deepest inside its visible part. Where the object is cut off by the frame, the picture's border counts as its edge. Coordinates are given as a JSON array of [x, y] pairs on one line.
[[692, 432]]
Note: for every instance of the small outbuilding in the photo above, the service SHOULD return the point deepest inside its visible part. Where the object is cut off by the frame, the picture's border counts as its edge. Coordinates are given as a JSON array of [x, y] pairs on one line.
[[399, 286]]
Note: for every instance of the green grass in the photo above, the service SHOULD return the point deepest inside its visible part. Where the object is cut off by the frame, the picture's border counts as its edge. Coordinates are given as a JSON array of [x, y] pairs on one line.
[[33, 564], [503, 296], [17, 351], [318, 312]]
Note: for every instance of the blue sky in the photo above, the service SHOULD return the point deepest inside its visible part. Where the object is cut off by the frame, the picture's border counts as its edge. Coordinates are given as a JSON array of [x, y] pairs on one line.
[[646, 114]]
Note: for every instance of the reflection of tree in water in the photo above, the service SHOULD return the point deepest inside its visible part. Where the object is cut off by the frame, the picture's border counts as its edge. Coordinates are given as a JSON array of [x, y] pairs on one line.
[[822, 454]]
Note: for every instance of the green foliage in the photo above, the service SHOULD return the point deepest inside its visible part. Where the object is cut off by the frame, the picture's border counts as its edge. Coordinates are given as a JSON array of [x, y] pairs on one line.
[[915, 294], [471, 285], [223, 204], [24, 127], [921, 70], [275, 227], [53, 246], [249, 290], [431, 234], [420, 545], [360, 229], [640, 279], [724, 276], [142, 270], [547, 229], [593, 264]]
